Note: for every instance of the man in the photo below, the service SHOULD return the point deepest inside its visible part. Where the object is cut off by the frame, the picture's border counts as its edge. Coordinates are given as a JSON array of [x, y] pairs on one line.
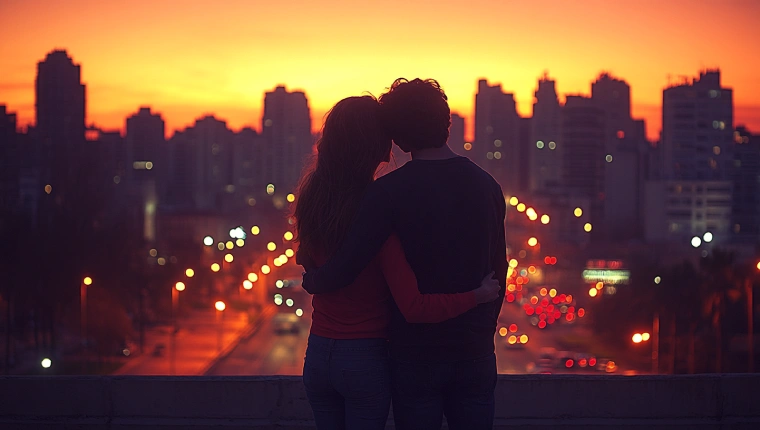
[[449, 216]]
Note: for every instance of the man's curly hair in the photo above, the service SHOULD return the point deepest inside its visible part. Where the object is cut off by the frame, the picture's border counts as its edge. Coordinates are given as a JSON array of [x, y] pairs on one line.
[[416, 114]]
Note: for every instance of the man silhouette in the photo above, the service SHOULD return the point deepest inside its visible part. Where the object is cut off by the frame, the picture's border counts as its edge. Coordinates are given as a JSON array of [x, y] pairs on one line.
[[449, 216]]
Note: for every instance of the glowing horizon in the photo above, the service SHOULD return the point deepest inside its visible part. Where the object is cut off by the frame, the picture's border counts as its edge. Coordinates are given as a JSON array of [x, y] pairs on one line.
[[188, 59]]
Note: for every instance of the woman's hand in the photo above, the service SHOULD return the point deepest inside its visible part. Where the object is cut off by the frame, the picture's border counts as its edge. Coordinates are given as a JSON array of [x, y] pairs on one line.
[[488, 290]]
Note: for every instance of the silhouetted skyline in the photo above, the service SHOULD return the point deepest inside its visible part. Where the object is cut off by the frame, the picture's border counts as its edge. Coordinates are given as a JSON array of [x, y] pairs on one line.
[[185, 63]]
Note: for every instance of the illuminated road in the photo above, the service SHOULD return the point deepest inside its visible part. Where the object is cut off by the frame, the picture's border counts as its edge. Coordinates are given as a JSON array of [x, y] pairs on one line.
[[268, 353]]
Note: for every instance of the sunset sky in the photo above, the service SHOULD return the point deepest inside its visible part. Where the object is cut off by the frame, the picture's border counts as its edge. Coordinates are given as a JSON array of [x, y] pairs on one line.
[[186, 58]]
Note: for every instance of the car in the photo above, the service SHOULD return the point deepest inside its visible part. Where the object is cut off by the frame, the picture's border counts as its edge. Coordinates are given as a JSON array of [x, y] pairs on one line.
[[158, 350], [517, 340], [546, 358], [283, 323], [565, 360], [586, 361], [606, 365]]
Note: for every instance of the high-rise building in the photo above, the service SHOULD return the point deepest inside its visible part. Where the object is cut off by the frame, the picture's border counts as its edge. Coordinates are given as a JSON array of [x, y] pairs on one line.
[[545, 149], [497, 135], [146, 142], [60, 117], [286, 128], [9, 160], [456, 135], [746, 186], [202, 166], [697, 129], [584, 157], [697, 154], [623, 141]]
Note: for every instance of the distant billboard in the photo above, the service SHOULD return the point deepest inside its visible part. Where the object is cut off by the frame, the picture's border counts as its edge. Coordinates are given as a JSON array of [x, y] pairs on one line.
[[608, 276]]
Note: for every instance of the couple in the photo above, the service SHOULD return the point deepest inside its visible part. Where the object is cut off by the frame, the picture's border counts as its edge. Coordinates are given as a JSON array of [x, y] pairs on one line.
[[401, 268]]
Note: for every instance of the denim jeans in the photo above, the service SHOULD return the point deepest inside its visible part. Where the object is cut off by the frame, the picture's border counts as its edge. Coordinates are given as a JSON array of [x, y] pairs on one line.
[[348, 382], [424, 392]]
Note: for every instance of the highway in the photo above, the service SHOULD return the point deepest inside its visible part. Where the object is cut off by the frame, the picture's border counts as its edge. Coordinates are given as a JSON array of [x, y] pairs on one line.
[[269, 353]]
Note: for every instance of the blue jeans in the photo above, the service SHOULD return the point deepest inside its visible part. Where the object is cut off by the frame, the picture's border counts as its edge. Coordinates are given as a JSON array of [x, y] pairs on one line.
[[424, 392], [348, 382]]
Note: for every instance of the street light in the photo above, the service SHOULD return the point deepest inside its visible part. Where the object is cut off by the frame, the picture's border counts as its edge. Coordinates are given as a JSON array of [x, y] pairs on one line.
[[189, 273], [220, 307], [178, 287], [696, 241], [86, 282]]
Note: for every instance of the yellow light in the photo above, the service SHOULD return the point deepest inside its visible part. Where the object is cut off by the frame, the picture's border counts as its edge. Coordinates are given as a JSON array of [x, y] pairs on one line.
[[220, 306], [240, 243], [521, 207], [189, 273], [758, 266], [180, 286], [87, 280], [253, 277], [299, 312], [291, 197], [229, 244], [153, 252], [279, 283], [288, 235], [530, 212], [247, 284], [511, 287], [228, 258], [512, 339], [552, 293], [46, 362], [161, 261], [578, 212], [265, 269], [543, 291], [599, 285], [270, 189], [48, 189], [289, 253], [503, 331], [255, 230], [645, 336], [289, 302], [271, 246], [467, 146], [215, 267], [524, 339], [277, 262], [532, 241], [544, 219], [637, 338], [513, 263], [513, 201], [587, 227], [593, 292]]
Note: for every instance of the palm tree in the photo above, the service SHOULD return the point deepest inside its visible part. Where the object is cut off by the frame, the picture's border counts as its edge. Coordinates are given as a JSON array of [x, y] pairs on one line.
[[720, 284]]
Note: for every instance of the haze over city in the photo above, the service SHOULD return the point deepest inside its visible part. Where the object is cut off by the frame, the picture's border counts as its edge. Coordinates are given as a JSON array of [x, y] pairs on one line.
[[186, 59]]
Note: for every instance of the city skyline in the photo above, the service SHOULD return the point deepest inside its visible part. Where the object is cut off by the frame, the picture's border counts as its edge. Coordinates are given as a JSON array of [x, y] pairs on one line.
[[186, 64]]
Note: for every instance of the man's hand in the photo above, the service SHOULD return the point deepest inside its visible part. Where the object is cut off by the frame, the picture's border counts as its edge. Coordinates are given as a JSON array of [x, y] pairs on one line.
[[488, 290]]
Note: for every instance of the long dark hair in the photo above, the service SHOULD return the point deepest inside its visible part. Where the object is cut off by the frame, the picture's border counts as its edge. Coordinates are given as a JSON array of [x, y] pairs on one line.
[[352, 146]]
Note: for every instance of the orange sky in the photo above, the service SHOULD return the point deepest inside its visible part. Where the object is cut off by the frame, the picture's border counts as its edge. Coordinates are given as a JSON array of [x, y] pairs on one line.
[[186, 58]]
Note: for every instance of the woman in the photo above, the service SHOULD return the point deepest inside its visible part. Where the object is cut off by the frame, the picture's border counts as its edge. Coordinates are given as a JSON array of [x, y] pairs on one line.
[[346, 370]]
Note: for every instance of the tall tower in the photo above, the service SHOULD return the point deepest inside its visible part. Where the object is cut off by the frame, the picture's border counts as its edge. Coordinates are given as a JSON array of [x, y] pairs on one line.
[[497, 134], [545, 150], [697, 127], [286, 129], [60, 116], [456, 135]]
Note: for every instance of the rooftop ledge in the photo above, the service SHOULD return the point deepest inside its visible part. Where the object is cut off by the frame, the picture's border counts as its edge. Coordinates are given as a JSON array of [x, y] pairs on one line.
[[279, 402]]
